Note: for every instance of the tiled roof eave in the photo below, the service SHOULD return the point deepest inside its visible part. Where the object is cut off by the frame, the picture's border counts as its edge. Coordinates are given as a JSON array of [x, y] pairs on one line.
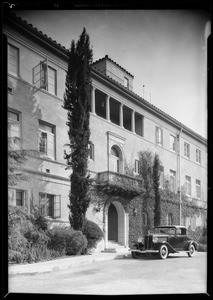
[[109, 59], [28, 28], [150, 106]]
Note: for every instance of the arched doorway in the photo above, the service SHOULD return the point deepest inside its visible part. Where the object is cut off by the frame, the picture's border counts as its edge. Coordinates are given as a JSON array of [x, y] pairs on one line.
[[112, 223]]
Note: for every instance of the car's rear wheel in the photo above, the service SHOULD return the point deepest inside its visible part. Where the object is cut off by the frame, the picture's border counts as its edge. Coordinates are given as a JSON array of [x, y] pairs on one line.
[[163, 252], [191, 250]]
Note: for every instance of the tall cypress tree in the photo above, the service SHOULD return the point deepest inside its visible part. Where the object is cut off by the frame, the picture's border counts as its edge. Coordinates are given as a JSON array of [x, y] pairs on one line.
[[77, 99], [156, 182]]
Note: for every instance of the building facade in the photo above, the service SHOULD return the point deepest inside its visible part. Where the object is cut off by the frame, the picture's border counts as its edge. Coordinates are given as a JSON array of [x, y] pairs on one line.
[[122, 124]]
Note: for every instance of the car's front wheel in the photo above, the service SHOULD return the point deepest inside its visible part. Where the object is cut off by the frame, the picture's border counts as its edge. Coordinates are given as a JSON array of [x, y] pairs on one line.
[[136, 255], [191, 250], [163, 252]]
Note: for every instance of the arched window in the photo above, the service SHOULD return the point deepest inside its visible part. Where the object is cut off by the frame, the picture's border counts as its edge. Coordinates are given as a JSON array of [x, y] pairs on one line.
[[114, 152], [115, 159]]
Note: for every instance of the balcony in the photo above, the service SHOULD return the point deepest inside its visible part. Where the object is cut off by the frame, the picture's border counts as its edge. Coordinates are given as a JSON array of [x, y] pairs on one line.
[[198, 203], [119, 184]]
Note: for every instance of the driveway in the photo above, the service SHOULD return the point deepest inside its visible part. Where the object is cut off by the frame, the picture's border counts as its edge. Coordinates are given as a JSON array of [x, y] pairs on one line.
[[178, 274]]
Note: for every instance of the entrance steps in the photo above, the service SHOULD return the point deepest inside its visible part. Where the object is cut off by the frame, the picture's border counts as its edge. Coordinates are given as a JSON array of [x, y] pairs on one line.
[[115, 247]]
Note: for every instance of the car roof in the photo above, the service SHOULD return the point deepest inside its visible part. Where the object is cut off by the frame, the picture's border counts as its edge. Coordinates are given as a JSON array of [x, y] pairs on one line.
[[170, 226]]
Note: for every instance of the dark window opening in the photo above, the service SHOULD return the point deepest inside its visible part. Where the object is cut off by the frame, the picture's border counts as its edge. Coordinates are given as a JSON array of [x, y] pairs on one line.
[[50, 205], [127, 114], [19, 198], [100, 104], [138, 124], [114, 111]]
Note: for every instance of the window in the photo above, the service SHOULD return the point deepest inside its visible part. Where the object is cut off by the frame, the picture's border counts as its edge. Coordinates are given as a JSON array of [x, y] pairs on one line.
[[16, 197], [172, 180], [13, 60], [161, 176], [115, 156], [193, 223], [159, 136], [45, 77], [138, 124], [127, 118], [137, 166], [51, 81], [198, 189], [114, 111], [198, 156], [172, 143], [50, 205], [19, 198], [100, 104], [188, 185], [126, 82], [144, 219], [169, 219], [47, 140], [91, 151], [14, 130], [186, 150]]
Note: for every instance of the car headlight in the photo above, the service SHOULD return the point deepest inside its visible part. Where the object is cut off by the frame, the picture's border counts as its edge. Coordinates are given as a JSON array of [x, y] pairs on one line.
[[155, 239]]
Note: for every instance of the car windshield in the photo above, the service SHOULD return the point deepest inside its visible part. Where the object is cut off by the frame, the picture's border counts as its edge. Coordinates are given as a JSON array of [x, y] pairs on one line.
[[165, 230]]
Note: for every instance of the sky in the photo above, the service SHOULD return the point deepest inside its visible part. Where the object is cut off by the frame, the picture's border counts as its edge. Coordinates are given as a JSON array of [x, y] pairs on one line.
[[165, 51]]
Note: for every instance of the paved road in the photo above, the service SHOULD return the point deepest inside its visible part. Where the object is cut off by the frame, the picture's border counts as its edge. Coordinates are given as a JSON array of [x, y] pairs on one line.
[[176, 274]]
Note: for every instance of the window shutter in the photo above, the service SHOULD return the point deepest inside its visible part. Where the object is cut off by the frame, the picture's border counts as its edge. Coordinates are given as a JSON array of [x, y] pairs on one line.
[[13, 60], [93, 151], [156, 135], [12, 196], [50, 145], [42, 203], [161, 135], [40, 74], [57, 206]]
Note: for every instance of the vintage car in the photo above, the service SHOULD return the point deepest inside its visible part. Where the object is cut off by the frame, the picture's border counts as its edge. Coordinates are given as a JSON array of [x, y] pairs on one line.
[[163, 240]]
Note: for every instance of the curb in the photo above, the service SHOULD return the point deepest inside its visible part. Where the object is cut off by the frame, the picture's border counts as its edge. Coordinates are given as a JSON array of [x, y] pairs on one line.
[[61, 264]]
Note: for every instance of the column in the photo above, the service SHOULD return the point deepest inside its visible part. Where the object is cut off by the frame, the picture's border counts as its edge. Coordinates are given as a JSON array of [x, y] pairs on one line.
[[121, 115], [126, 230], [133, 121], [107, 108], [93, 100]]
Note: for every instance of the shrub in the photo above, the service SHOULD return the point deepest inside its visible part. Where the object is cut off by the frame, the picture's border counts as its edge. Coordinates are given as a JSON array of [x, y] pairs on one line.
[[16, 240], [76, 243], [93, 233], [201, 248], [26, 242], [57, 238], [35, 236], [39, 221], [15, 256]]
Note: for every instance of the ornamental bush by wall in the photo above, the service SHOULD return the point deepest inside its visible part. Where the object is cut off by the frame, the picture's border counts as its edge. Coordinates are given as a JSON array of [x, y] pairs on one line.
[[76, 243], [93, 234], [135, 219]]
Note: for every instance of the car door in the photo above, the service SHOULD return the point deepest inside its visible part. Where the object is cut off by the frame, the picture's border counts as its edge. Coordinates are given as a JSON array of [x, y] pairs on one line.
[[181, 239], [172, 239]]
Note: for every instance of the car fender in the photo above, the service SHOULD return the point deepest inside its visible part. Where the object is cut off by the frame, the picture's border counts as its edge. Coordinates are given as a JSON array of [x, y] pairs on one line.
[[138, 245], [189, 243], [170, 248]]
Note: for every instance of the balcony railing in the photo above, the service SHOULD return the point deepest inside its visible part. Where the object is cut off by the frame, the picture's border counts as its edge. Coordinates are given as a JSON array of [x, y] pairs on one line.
[[196, 202], [119, 184]]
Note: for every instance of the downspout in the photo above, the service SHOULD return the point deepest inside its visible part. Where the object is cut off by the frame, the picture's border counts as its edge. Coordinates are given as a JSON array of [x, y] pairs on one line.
[[179, 185]]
